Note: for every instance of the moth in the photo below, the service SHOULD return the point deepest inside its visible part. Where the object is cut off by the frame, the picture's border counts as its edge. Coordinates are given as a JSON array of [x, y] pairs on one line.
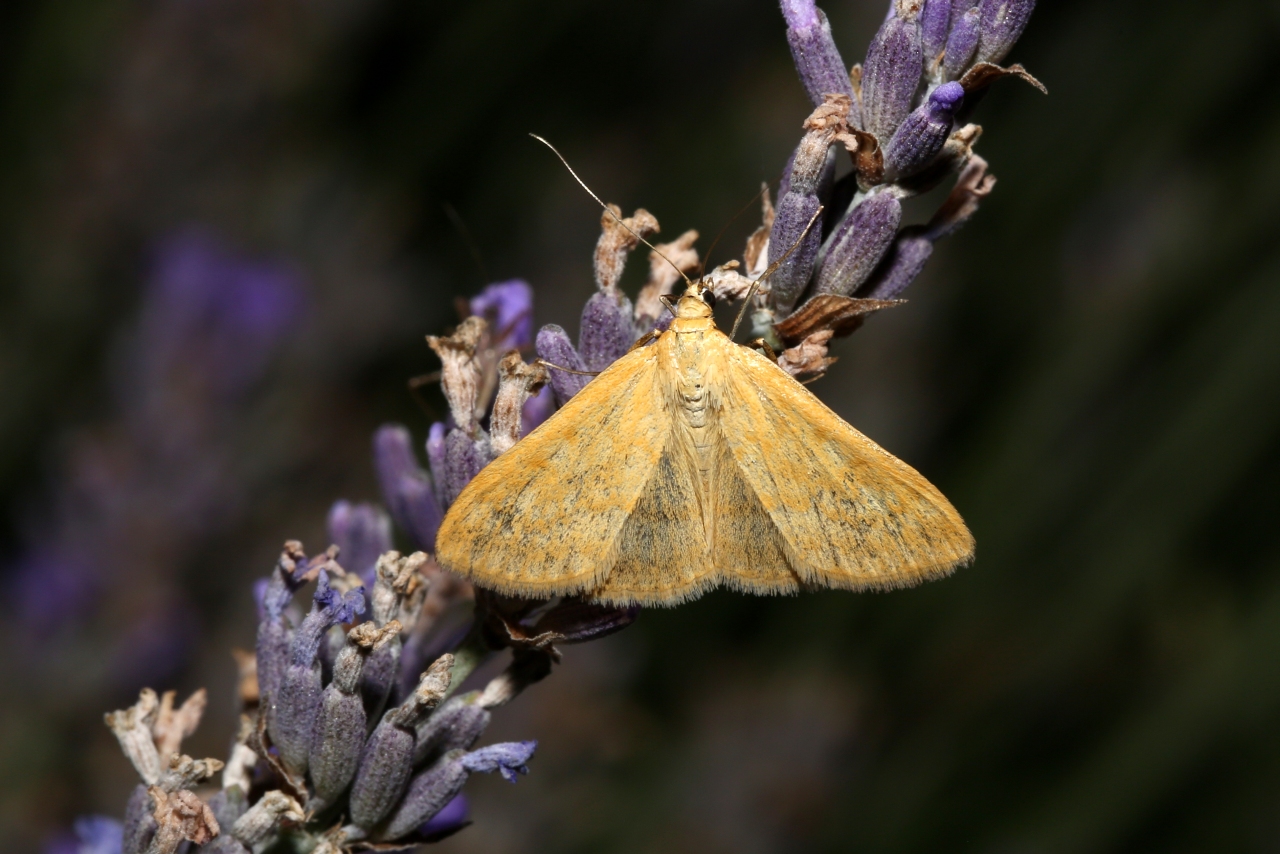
[[691, 463]]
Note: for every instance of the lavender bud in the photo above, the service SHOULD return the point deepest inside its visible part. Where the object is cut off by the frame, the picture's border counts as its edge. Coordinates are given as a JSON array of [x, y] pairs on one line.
[[921, 136], [892, 72], [361, 532], [223, 843], [341, 727], [789, 280], [428, 793], [299, 697], [274, 633], [139, 823], [935, 23], [607, 330], [434, 788], [459, 723], [388, 756], [463, 459], [554, 346], [900, 266], [814, 52], [406, 488], [1002, 24], [508, 309], [961, 44], [857, 245]]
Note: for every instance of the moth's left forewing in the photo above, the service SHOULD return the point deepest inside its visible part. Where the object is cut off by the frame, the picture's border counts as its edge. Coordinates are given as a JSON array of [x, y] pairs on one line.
[[852, 515]]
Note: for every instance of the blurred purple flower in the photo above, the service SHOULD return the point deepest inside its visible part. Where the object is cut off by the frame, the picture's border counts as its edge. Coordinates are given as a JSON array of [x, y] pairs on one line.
[[138, 491], [508, 309]]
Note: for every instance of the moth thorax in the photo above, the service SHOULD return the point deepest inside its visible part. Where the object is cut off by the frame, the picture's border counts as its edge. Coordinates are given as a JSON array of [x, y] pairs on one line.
[[692, 306]]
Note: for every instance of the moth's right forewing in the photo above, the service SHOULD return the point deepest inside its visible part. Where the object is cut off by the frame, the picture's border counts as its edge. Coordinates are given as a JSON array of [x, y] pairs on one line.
[[852, 515], [544, 518]]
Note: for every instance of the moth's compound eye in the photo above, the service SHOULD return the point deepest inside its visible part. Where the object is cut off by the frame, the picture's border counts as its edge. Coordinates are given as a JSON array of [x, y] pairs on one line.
[[708, 296]]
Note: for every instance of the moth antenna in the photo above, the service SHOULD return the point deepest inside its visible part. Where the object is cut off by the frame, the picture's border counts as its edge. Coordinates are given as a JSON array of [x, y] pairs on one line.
[[746, 301], [425, 379], [547, 364], [465, 233], [609, 211], [702, 264]]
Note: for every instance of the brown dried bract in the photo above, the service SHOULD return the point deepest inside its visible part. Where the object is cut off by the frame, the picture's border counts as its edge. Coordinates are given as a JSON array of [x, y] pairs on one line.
[[984, 74], [247, 677], [517, 382], [972, 186], [808, 358], [838, 314], [180, 816], [617, 238], [727, 283], [461, 373], [662, 275]]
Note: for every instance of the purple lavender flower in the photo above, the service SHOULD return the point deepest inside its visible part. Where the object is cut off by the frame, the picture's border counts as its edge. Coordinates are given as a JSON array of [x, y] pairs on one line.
[[408, 490], [1002, 24], [361, 532], [816, 57], [891, 74], [508, 309], [152, 481]]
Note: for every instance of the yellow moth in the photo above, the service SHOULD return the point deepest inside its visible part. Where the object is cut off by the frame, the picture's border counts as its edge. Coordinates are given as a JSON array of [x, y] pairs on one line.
[[692, 463]]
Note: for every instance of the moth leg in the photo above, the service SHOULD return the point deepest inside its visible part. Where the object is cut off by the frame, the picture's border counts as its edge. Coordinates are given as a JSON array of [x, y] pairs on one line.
[[666, 300], [764, 345], [644, 339]]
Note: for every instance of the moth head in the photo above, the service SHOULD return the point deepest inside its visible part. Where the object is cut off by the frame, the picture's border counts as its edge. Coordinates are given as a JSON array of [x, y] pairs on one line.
[[698, 300]]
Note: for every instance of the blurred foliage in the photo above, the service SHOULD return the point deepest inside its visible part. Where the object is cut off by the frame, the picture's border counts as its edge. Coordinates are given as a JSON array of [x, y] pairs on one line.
[[1088, 371]]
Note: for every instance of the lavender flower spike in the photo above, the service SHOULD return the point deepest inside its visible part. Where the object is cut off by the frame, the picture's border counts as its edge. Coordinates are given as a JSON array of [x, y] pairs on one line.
[[921, 136], [298, 701], [891, 75], [433, 789], [406, 488], [816, 57], [340, 729], [800, 201], [858, 244], [1002, 24], [961, 44]]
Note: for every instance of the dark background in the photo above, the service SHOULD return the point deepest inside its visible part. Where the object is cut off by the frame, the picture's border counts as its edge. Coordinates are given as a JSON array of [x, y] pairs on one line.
[[1088, 370]]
